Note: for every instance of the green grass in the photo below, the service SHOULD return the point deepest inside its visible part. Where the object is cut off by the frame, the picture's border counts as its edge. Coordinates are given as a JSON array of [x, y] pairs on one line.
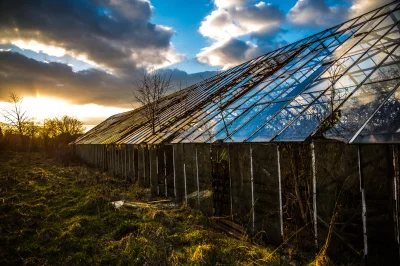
[[51, 214]]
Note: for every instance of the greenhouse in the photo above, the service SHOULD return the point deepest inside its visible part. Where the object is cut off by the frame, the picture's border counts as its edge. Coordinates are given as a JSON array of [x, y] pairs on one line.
[[297, 146]]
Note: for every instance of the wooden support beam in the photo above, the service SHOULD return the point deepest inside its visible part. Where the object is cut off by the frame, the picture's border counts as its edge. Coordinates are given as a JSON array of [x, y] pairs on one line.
[[396, 180], [280, 192], [165, 173], [314, 183], [184, 174], [252, 190], [197, 179], [173, 164], [363, 204], [230, 182]]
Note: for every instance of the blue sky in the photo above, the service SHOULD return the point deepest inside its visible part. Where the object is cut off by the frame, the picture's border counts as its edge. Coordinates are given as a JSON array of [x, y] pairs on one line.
[[186, 16], [91, 51]]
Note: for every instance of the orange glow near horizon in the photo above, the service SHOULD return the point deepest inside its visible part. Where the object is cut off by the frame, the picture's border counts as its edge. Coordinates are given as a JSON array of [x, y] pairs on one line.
[[43, 107]]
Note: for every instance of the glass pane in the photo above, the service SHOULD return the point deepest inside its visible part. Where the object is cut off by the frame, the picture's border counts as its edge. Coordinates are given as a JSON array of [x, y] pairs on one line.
[[389, 20], [244, 132], [368, 26], [222, 117], [386, 72], [390, 37], [357, 73], [241, 120], [318, 85], [381, 11], [384, 127], [358, 108], [270, 130], [309, 120], [348, 24]]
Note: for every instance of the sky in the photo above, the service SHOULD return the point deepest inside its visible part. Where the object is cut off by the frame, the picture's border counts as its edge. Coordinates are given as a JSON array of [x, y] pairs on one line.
[[81, 57]]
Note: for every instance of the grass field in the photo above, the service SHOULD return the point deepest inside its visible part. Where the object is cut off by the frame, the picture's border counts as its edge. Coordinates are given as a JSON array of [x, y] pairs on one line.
[[57, 214]]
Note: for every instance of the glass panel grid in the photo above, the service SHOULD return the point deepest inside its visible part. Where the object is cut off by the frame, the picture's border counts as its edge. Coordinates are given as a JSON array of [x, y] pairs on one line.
[[280, 97]]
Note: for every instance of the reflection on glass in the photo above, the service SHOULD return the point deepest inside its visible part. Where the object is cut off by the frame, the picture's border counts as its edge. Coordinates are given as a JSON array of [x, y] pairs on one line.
[[314, 115], [358, 108], [280, 106], [384, 127]]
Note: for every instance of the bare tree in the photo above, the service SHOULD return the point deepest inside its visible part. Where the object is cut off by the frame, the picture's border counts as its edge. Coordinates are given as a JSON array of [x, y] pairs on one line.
[[334, 73], [219, 100], [69, 125], [15, 115], [222, 110], [329, 117], [148, 91]]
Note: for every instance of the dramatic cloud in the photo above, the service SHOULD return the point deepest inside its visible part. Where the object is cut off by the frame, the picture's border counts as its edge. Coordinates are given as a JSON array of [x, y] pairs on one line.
[[235, 19], [316, 13], [117, 38], [113, 34], [29, 77]]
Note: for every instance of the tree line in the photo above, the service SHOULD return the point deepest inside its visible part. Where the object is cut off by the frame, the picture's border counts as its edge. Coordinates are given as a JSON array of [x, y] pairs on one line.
[[22, 132]]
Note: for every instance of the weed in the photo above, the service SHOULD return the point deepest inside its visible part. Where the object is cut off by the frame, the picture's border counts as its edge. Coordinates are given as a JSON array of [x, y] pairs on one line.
[[59, 213]]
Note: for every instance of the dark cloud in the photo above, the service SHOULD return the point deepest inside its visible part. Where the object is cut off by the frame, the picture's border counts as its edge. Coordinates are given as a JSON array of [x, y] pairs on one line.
[[29, 77], [229, 53], [115, 34], [270, 40], [235, 49]]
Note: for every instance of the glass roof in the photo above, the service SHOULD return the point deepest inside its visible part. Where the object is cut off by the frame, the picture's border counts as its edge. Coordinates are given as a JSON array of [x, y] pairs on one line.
[[341, 83]]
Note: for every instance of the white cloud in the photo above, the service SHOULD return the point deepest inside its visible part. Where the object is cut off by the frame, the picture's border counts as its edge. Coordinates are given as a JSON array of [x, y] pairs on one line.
[[229, 3], [360, 7], [222, 24], [316, 13], [219, 25], [235, 19]]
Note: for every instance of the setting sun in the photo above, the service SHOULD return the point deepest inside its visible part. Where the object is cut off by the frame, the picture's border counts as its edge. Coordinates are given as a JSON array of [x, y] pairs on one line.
[[43, 107]]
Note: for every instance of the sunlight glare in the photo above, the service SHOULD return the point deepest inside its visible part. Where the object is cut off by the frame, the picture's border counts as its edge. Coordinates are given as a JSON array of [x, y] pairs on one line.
[[43, 107]]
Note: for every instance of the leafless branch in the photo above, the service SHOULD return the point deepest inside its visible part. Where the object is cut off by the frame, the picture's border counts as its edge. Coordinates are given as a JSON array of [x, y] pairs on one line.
[[149, 89], [14, 114]]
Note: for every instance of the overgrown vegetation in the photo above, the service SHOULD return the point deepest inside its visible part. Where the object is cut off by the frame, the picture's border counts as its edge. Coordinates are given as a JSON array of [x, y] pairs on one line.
[[57, 214]]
